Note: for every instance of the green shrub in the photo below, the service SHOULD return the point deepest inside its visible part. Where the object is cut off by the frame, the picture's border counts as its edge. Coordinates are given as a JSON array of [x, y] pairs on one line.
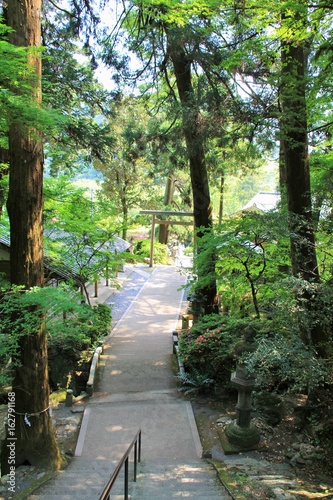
[[195, 382], [209, 349], [80, 328], [284, 363], [69, 324], [188, 250], [102, 319], [206, 350], [142, 249], [207, 322]]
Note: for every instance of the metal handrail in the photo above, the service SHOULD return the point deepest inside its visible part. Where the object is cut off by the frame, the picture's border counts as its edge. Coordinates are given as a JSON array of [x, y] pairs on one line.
[[137, 459]]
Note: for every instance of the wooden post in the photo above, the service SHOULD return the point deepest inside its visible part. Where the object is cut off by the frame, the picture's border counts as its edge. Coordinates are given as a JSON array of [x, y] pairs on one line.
[[107, 275], [194, 237], [167, 222], [96, 288], [152, 236]]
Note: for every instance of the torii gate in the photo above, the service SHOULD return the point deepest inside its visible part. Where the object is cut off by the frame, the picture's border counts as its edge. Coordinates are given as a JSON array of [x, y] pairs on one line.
[[155, 221]]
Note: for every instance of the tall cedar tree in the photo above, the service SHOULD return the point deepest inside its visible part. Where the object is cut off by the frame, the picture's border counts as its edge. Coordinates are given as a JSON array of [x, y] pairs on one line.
[[35, 443], [202, 205], [297, 173], [182, 61]]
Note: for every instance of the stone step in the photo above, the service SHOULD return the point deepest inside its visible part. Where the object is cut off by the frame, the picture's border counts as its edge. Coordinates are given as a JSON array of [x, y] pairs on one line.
[[85, 479], [196, 480], [79, 495]]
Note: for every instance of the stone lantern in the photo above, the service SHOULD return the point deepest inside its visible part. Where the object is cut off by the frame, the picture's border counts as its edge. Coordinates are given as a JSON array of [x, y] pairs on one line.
[[241, 433], [196, 308]]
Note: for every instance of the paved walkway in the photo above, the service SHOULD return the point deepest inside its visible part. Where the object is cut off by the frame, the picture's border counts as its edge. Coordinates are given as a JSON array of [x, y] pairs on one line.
[[137, 389]]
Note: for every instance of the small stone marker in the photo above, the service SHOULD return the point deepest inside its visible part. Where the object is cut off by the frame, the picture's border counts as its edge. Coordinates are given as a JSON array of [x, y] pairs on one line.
[[69, 397]]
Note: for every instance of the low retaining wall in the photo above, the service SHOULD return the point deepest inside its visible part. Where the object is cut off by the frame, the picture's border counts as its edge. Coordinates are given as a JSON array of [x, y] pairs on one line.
[[176, 352], [93, 371]]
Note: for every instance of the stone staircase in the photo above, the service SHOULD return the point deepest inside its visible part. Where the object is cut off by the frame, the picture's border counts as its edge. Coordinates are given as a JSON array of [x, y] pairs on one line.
[[160, 481], [138, 390], [83, 479]]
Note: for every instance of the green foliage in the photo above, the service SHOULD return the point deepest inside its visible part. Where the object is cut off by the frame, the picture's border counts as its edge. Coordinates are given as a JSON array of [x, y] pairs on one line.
[[313, 310], [102, 319], [278, 356], [130, 176], [73, 322], [188, 251], [207, 322], [79, 327], [17, 81], [70, 86], [253, 274], [68, 322], [77, 230], [246, 183], [142, 250], [10, 332], [207, 349], [195, 382], [284, 363], [251, 258]]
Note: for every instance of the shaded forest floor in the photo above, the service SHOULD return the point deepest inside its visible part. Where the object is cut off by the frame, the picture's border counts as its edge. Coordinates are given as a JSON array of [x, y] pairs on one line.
[[290, 461]]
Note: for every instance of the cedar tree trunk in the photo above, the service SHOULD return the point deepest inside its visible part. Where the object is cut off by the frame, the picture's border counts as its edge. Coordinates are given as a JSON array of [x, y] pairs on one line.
[[122, 190], [163, 233], [296, 159], [3, 172], [34, 435], [297, 178], [202, 205]]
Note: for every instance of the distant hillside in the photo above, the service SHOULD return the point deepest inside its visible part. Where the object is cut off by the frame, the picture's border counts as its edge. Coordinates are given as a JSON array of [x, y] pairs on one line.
[[88, 173]]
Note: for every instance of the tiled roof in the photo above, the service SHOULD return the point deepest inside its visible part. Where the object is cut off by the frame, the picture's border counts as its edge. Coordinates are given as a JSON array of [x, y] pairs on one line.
[[51, 270], [66, 270], [263, 201]]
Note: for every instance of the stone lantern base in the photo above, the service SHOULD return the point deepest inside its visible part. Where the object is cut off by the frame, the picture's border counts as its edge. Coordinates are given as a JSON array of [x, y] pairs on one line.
[[244, 438]]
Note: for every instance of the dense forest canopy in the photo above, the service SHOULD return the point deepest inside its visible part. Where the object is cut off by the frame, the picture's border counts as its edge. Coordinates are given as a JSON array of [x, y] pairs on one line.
[[203, 97]]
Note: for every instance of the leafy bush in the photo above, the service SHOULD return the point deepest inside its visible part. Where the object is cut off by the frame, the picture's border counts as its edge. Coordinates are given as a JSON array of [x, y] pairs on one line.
[[142, 249], [284, 363], [281, 361], [69, 324], [102, 319], [194, 383], [188, 250], [207, 322], [13, 326], [207, 349], [210, 348], [207, 355], [80, 327], [251, 254], [254, 280]]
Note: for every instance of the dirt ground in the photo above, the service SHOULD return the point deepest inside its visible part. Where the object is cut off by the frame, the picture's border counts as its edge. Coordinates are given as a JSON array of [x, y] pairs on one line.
[[311, 478]]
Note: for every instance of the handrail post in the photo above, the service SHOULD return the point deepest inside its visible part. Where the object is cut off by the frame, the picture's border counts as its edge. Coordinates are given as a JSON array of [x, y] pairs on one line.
[[136, 444], [126, 479], [135, 459]]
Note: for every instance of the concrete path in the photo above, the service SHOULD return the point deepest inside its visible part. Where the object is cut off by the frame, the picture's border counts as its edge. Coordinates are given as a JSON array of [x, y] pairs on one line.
[[137, 389]]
